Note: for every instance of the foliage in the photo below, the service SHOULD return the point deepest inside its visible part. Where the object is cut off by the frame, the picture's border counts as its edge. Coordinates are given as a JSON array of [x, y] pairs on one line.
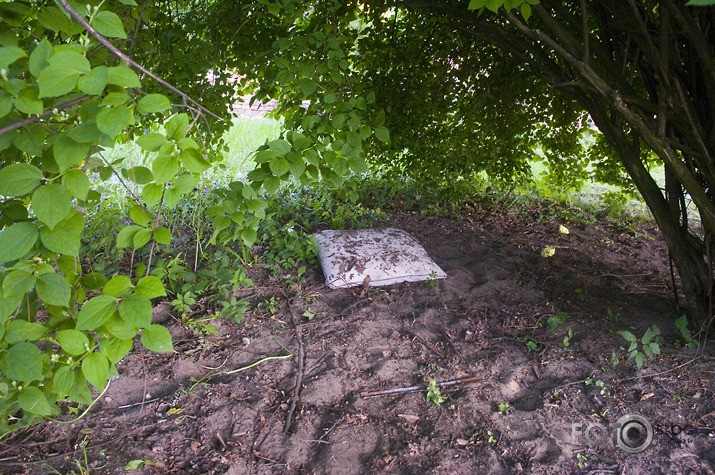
[[434, 395], [650, 344], [682, 325]]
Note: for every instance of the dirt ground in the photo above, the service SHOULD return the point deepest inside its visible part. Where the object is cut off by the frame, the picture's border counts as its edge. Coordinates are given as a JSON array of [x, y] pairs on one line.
[[540, 403]]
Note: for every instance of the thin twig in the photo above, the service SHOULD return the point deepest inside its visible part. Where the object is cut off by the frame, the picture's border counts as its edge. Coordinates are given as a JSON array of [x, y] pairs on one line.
[[129, 61], [428, 344], [415, 389], [48, 112], [299, 371]]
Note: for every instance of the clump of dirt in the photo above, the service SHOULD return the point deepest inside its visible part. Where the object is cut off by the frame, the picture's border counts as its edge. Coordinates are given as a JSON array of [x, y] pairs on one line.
[[545, 401]]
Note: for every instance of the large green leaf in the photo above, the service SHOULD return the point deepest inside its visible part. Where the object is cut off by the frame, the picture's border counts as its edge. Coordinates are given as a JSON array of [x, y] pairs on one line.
[[95, 81], [108, 24], [51, 204], [16, 240], [76, 183], [10, 54], [19, 179], [62, 381], [135, 309], [95, 367], [117, 286], [164, 168], [114, 120], [68, 152], [151, 287], [192, 160], [65, 238], [151, 142], [22, 362], [72, 342], [157, 339], [115, 349], [95, 312], [18, 282], [177, 126], [22, 330], [153, 103], [32, 400], [123, 76], [53, 289]]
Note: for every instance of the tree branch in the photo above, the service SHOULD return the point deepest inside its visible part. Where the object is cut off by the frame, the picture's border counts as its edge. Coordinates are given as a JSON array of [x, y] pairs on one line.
[[48, 112], [129, 61]]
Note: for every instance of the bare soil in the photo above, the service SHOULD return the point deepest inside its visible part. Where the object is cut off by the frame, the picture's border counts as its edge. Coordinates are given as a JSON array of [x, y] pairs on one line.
[[199, 411]]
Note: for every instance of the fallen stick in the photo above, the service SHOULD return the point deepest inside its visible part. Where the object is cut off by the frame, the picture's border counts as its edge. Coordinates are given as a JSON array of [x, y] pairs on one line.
[[415, 389]]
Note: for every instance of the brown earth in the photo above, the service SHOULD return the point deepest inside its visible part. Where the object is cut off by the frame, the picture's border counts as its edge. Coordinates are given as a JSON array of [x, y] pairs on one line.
[[199, 411]]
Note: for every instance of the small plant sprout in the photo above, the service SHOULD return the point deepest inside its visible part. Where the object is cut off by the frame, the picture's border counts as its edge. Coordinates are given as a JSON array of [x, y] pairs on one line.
[[434, 394], [563, 229], [309, 315], [504, 407], [432, 279], [491, 439], [581, 460], [531, 344], [554, 321], [548, 252], [682, 325], [650, 344]]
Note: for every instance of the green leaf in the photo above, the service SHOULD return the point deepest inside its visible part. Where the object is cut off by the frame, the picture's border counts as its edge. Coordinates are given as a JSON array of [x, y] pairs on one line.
[[19, 179], [16, 240], [162, 235], [150, 287], [40, 56], [76, 183], [62, 381], [186, 143], [65, 238], [151, 142], [108, 24], [271, 184], [279, 166], [10, 54], [22, 330], [28, 102], [280, 147], [115, 349], [117, 286], [72, 342], [95, 81], [153, 103], [95, 312], [22, 362], [68, 152], [494, 5], [94, 281], [639, 360], [51, 204], [95, 367], [53, 289], [118, 328], [628, 336], [700, 3], [32, 400], [164, 167], [135, 309], [177, 126], [152, 193], [382, 134], [185, 183], [140, 175], [157, 339], [18, 282], [141, 237], [114, 120], [192, 160], [526, 11], [123, 76], [139, 216], [125, 238]]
